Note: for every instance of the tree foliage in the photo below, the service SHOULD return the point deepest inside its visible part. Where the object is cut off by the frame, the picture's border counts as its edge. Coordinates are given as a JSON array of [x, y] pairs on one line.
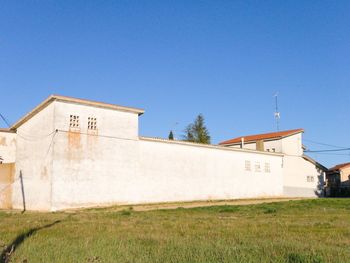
[[197, 131], [171, 135]]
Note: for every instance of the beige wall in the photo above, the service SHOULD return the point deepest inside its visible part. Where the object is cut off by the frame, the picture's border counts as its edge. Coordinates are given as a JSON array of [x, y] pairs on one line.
[[345, 176], [175, 172], [94, 167], [8, 146], [35, 140], [114, 166], [6, 180], [69, 168]]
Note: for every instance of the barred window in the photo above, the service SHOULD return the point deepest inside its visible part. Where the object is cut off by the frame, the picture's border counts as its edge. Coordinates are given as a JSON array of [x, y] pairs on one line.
[[310, 179], [257, 167], [267, 168], [247, 166], [74, 121], [92, 123]]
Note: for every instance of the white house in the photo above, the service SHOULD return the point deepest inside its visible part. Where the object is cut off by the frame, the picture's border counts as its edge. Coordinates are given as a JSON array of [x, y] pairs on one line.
[[70, 153], [302, 176]]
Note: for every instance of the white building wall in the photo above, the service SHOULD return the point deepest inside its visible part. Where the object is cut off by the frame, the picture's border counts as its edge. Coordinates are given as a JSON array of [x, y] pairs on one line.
[[270, 145], [8, 146], [292, 145], [94, 167], [296, 172], [69, 168], [179, 172], [113, 166], [249, 146], [34, 161]]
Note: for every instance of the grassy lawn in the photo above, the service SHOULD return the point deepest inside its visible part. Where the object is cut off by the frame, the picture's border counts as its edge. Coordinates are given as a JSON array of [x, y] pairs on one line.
[[291, 231]]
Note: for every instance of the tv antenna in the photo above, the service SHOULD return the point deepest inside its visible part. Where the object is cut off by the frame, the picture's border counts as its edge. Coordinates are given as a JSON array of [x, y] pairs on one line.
[[277, 113]]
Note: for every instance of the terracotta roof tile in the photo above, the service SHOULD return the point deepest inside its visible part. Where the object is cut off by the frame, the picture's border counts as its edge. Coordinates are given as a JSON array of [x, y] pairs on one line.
[[264, 136], [339, 166]]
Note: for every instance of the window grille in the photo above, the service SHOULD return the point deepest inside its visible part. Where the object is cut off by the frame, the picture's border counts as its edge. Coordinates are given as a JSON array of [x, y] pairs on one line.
[[74, 121], [247, 166], [257, 167], [92, 123]]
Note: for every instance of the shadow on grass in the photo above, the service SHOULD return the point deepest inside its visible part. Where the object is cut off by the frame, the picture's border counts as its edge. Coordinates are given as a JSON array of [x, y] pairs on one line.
[[10, 249]]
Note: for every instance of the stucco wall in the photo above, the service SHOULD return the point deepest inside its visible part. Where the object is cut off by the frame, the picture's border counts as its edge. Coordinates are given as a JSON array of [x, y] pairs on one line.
[[345, 176], [110, 170], [94, 167], [8, 146], [64, 167], [296, 172], [6, 181], [34, 161], [292, 145], [174, 172]]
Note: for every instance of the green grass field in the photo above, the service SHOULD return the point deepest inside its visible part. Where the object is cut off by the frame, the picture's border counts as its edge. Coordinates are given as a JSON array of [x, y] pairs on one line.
[[293, 231]]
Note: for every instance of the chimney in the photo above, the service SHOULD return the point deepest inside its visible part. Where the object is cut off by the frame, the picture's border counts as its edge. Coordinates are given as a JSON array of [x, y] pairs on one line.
[[242, 142]]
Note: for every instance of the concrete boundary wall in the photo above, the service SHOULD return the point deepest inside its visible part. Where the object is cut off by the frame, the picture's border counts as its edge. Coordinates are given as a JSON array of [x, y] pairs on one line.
[[180, 171], [104, 170]]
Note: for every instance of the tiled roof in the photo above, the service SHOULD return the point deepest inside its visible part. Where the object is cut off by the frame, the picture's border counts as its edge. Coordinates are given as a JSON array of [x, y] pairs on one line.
[[264, 136], [339, 166]]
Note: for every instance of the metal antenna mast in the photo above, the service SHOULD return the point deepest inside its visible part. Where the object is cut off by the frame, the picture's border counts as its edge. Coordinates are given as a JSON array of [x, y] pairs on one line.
[[277, 113]]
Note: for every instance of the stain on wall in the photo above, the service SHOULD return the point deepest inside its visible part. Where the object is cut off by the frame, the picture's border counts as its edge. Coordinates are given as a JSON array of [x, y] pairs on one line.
[[3, 141], [44, 173], [6, 180], [74, 144]]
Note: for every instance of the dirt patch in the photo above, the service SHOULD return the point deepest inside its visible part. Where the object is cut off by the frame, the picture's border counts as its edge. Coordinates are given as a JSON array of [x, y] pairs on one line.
[[210, 203], [174, 205]]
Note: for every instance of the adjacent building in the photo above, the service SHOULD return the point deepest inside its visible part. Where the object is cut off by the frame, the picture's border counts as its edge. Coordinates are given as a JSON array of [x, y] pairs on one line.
[[338, 180], [302, 176]]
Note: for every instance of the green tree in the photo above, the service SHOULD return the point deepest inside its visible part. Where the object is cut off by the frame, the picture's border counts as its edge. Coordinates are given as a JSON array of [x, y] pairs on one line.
[[171, 135], [197, 131]]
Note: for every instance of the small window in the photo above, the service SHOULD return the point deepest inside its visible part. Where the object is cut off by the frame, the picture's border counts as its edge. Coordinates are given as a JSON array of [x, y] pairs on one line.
[[257, 167], [273, 149], [247, 166], [267, 168], [310, 179], [92, 123], [268, 150], [74, 121]]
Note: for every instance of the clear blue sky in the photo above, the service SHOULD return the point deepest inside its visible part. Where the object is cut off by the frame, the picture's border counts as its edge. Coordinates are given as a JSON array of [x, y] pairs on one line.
[[176, 59]]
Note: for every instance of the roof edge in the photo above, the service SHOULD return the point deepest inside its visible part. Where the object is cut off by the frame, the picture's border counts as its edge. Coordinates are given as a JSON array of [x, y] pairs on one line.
[[210, 146], [52, 98], [308, 158], [293, 132], [7, 130]]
